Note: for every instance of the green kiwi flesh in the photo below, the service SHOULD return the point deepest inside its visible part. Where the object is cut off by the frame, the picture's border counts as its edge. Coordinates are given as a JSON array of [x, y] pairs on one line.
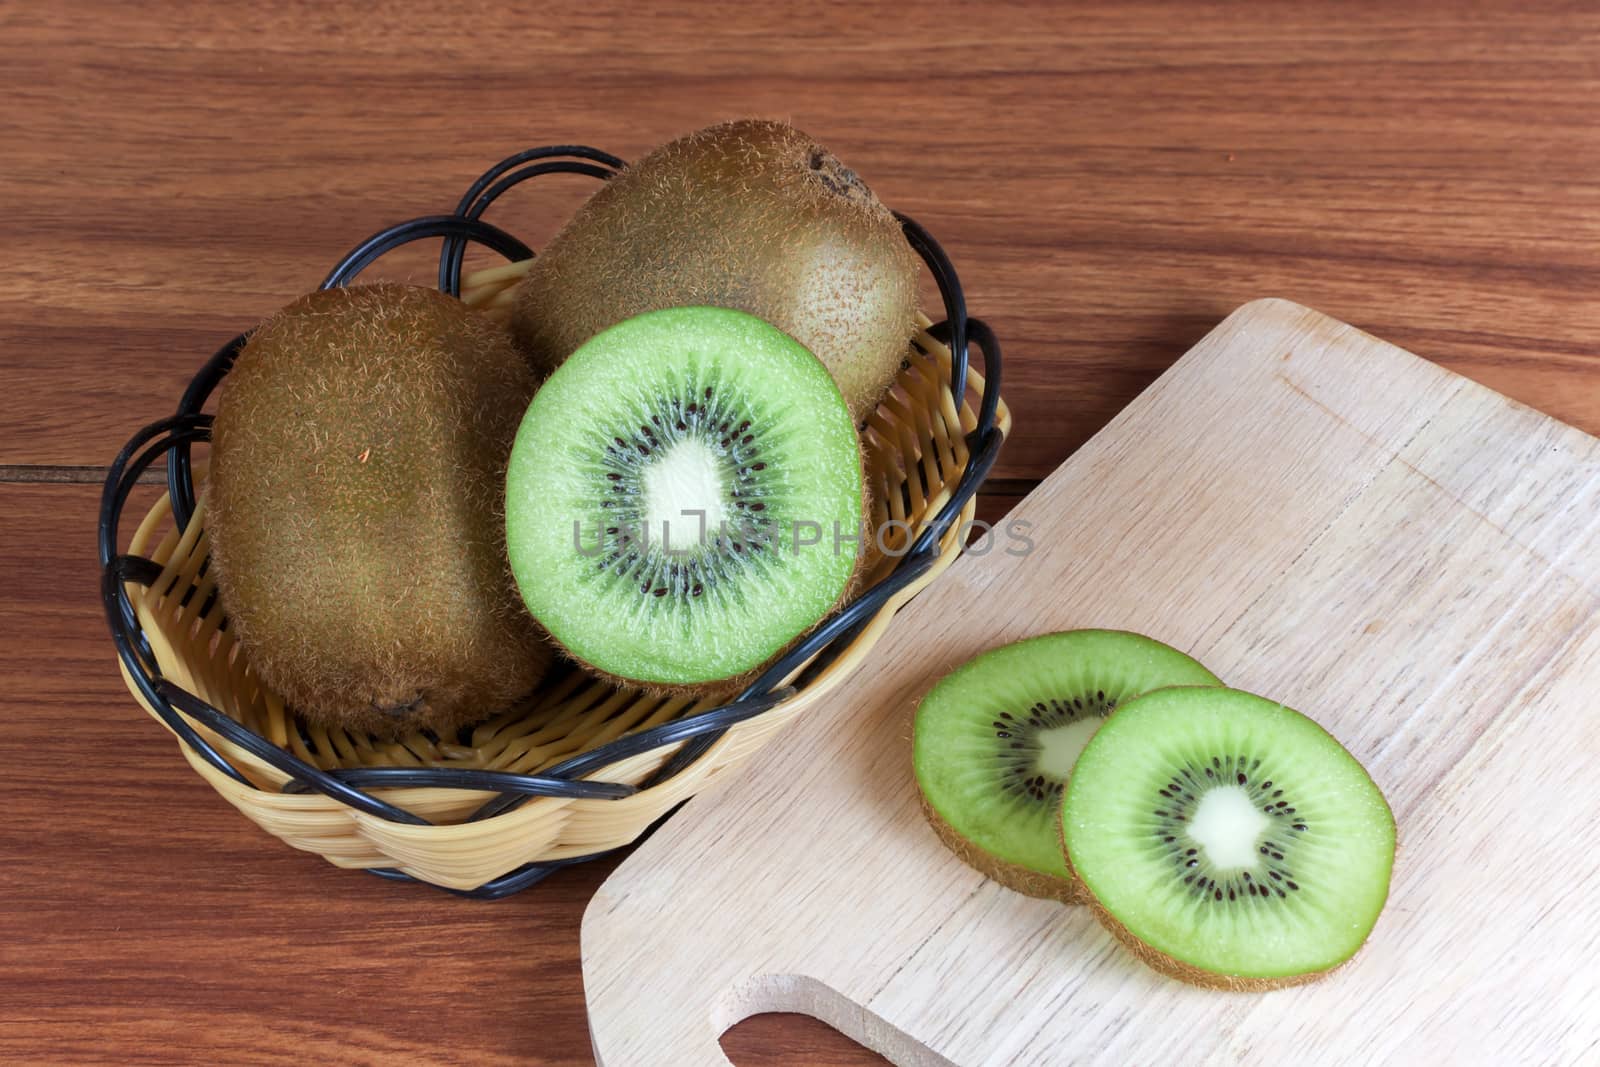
[[354, 511], [1228, 840], [673, 496], [994, 741], [749, 215]]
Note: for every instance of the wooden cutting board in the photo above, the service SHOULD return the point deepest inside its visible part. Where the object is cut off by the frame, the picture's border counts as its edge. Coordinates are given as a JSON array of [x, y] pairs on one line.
[[1407, 557]]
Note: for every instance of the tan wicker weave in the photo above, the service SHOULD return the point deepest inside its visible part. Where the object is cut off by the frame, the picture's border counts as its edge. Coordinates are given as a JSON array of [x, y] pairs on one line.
[[915, 454]]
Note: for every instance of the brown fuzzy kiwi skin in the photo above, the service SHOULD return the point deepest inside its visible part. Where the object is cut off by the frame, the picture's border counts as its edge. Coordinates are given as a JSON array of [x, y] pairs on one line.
[[750, 215], [1024, 880], [1079, 892], [356, 511]]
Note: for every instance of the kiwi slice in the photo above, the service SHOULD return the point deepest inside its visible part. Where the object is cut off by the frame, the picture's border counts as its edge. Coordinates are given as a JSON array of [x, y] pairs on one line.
[[995, 740], [684, 499], [1228, 840]]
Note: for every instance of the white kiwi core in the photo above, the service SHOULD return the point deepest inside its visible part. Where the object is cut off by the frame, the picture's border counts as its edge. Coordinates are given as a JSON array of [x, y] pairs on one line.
[[1060, 746], [1229, 827], [686, 479]]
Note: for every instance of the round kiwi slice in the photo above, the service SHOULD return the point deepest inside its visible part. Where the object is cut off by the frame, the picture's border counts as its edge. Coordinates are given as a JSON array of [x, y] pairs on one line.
[[995, 740], [1228, 840], [684, 498]]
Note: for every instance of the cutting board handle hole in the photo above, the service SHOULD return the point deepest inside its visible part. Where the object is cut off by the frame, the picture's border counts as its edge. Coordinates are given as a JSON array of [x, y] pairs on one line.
[[799, 1039], [732, 1017]]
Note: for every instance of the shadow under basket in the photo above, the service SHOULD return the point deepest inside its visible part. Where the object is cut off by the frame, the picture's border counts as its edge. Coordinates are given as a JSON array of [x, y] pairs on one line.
[[582, 767]]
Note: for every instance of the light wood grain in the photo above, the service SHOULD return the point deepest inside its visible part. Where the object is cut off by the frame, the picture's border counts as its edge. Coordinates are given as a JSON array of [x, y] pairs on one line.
[[1108, 187], [1411, 559]]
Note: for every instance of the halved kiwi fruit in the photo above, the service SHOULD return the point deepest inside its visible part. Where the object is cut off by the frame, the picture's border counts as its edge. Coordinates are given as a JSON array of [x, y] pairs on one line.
[[995, 740], [684, 499], [1227, 840]]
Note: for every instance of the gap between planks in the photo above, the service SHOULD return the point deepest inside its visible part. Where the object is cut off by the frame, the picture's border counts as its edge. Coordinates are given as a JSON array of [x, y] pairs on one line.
[[24, 473]]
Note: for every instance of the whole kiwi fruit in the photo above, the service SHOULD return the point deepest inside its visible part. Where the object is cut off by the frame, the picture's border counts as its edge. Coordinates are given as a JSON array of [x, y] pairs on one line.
[[356, 515], [749, 215]]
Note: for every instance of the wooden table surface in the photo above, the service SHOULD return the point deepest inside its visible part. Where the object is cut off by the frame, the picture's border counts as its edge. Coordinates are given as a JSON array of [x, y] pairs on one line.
[[1110, 179]]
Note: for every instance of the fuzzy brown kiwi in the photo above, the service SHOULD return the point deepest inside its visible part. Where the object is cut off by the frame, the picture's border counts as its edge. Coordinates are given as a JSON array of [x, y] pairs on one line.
[[750, 215], [356, 510]]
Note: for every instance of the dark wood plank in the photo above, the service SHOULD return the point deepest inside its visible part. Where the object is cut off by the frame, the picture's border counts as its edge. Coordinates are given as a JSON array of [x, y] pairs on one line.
[[1109, 188], [147, 921], [783, 1038]]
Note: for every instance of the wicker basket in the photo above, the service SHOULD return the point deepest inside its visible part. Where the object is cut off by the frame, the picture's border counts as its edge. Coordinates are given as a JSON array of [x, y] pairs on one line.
[[582, 767]]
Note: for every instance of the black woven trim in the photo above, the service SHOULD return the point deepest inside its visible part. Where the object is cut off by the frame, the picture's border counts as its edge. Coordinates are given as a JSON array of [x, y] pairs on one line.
[[695, 734], [133, 648], [509, 173], [451, 227]]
